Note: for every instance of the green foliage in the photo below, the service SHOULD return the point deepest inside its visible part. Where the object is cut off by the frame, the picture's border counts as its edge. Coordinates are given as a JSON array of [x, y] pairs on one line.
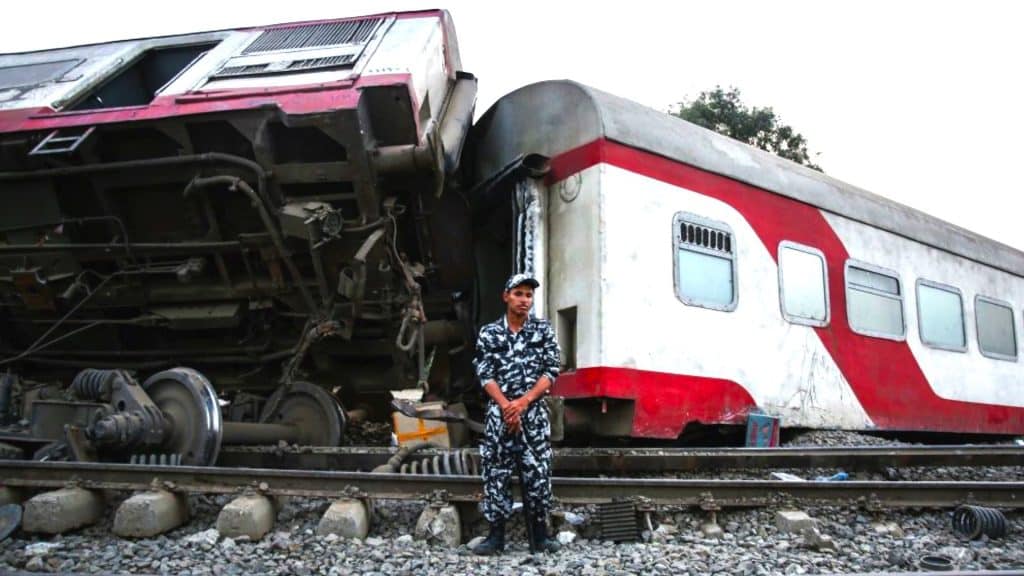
[[724, 112]]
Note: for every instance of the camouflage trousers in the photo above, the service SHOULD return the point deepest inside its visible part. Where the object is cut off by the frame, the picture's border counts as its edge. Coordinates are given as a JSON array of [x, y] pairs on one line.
[[503, 454]]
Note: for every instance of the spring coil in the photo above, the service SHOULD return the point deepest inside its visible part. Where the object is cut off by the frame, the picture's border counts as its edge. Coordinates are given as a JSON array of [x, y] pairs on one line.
[[156, 459], [447, 463], [971, 522], [92, 383]]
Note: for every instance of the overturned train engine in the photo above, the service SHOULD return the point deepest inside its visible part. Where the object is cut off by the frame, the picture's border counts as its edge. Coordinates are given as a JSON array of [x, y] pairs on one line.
[[225, 237]]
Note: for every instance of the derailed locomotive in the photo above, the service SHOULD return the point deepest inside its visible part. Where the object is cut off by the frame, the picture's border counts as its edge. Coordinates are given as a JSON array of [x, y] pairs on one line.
[[278, 209], [302, 217]]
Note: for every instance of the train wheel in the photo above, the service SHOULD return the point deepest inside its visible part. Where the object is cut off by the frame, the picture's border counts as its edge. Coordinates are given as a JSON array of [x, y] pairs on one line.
[[189, 404], [315, 412]]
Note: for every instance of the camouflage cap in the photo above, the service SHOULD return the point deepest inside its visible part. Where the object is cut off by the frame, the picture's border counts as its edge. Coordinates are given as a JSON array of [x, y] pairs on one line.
[[519, 279]]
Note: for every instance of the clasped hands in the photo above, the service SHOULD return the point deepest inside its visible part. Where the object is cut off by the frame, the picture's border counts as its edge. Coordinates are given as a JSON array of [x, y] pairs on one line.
[[512, 414]]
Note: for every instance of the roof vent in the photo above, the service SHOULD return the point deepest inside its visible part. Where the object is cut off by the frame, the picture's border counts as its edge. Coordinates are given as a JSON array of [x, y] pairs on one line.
[[305, 48], [322, 35]]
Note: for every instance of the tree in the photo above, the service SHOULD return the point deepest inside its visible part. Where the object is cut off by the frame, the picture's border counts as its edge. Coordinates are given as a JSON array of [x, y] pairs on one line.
[[724, 112]]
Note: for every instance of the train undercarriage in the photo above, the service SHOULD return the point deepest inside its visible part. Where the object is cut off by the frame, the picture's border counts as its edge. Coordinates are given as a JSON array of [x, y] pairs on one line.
[[244, 277]]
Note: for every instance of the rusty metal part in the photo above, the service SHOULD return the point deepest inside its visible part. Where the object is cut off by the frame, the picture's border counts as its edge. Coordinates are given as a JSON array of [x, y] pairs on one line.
[[35, 290], [654, 460], [39, 342], [352, 283], [79, 446], [79, 221], [313, 332], [237, 184], [327, 484], [317, 332]]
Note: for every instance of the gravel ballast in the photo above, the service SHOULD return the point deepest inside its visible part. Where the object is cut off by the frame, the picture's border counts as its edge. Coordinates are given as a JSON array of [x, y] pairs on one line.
[[749, 544]]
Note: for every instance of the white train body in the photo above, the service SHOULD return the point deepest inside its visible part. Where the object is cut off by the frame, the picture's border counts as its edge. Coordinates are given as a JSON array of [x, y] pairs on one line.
[[654, 339]]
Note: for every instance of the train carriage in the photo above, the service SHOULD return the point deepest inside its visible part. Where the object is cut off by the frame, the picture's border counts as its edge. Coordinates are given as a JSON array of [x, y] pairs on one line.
[[272, 207], [693, 279]]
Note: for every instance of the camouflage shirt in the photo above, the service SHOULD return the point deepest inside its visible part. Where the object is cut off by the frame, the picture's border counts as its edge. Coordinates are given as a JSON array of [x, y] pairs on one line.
[[516, 360]]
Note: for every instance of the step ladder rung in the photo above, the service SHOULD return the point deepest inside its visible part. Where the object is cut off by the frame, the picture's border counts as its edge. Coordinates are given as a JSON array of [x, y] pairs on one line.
[[55, 143]]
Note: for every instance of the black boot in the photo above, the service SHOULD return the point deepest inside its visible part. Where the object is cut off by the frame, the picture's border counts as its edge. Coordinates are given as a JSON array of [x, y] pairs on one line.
[[541, 541], [495, 541]]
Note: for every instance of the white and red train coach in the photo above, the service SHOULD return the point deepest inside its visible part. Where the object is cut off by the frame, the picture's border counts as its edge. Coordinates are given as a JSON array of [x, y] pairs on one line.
[[694, 279]]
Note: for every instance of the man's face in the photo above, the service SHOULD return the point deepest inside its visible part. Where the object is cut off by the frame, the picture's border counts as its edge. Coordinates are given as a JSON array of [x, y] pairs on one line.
[[519, 299]]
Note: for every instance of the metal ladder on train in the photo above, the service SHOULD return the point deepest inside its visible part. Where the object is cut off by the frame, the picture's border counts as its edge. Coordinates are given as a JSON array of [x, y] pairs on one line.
[[62, 141]]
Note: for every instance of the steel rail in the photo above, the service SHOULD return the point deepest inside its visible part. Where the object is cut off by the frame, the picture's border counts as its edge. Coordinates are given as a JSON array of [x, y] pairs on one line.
[[569, 461], [710, 494]]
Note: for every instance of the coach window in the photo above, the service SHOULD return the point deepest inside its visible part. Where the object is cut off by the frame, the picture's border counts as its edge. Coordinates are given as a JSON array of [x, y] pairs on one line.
[[705, 262], [997, 335], [940, 316], [803, 284], [874, 301]]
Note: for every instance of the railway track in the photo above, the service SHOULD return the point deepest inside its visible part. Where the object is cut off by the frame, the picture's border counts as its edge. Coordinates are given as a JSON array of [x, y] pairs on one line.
[[709, 494], [733, 498], [592, 461]]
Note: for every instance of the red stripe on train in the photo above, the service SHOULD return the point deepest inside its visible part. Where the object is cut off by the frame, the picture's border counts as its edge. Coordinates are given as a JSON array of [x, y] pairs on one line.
[[294, 100], [663, 402], [883, 374]]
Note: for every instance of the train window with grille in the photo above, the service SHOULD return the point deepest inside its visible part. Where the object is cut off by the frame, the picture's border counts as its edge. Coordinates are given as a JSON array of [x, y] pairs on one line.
[[940, 316], [704, 262], [997, 334], [803, 284], [874, 301]]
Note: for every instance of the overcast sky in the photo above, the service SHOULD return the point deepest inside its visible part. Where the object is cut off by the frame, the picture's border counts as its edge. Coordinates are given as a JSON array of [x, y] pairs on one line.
[[916, 101]]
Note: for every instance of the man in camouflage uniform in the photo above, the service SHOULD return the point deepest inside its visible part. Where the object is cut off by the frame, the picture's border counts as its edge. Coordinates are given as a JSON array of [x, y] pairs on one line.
[[517, 361]]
